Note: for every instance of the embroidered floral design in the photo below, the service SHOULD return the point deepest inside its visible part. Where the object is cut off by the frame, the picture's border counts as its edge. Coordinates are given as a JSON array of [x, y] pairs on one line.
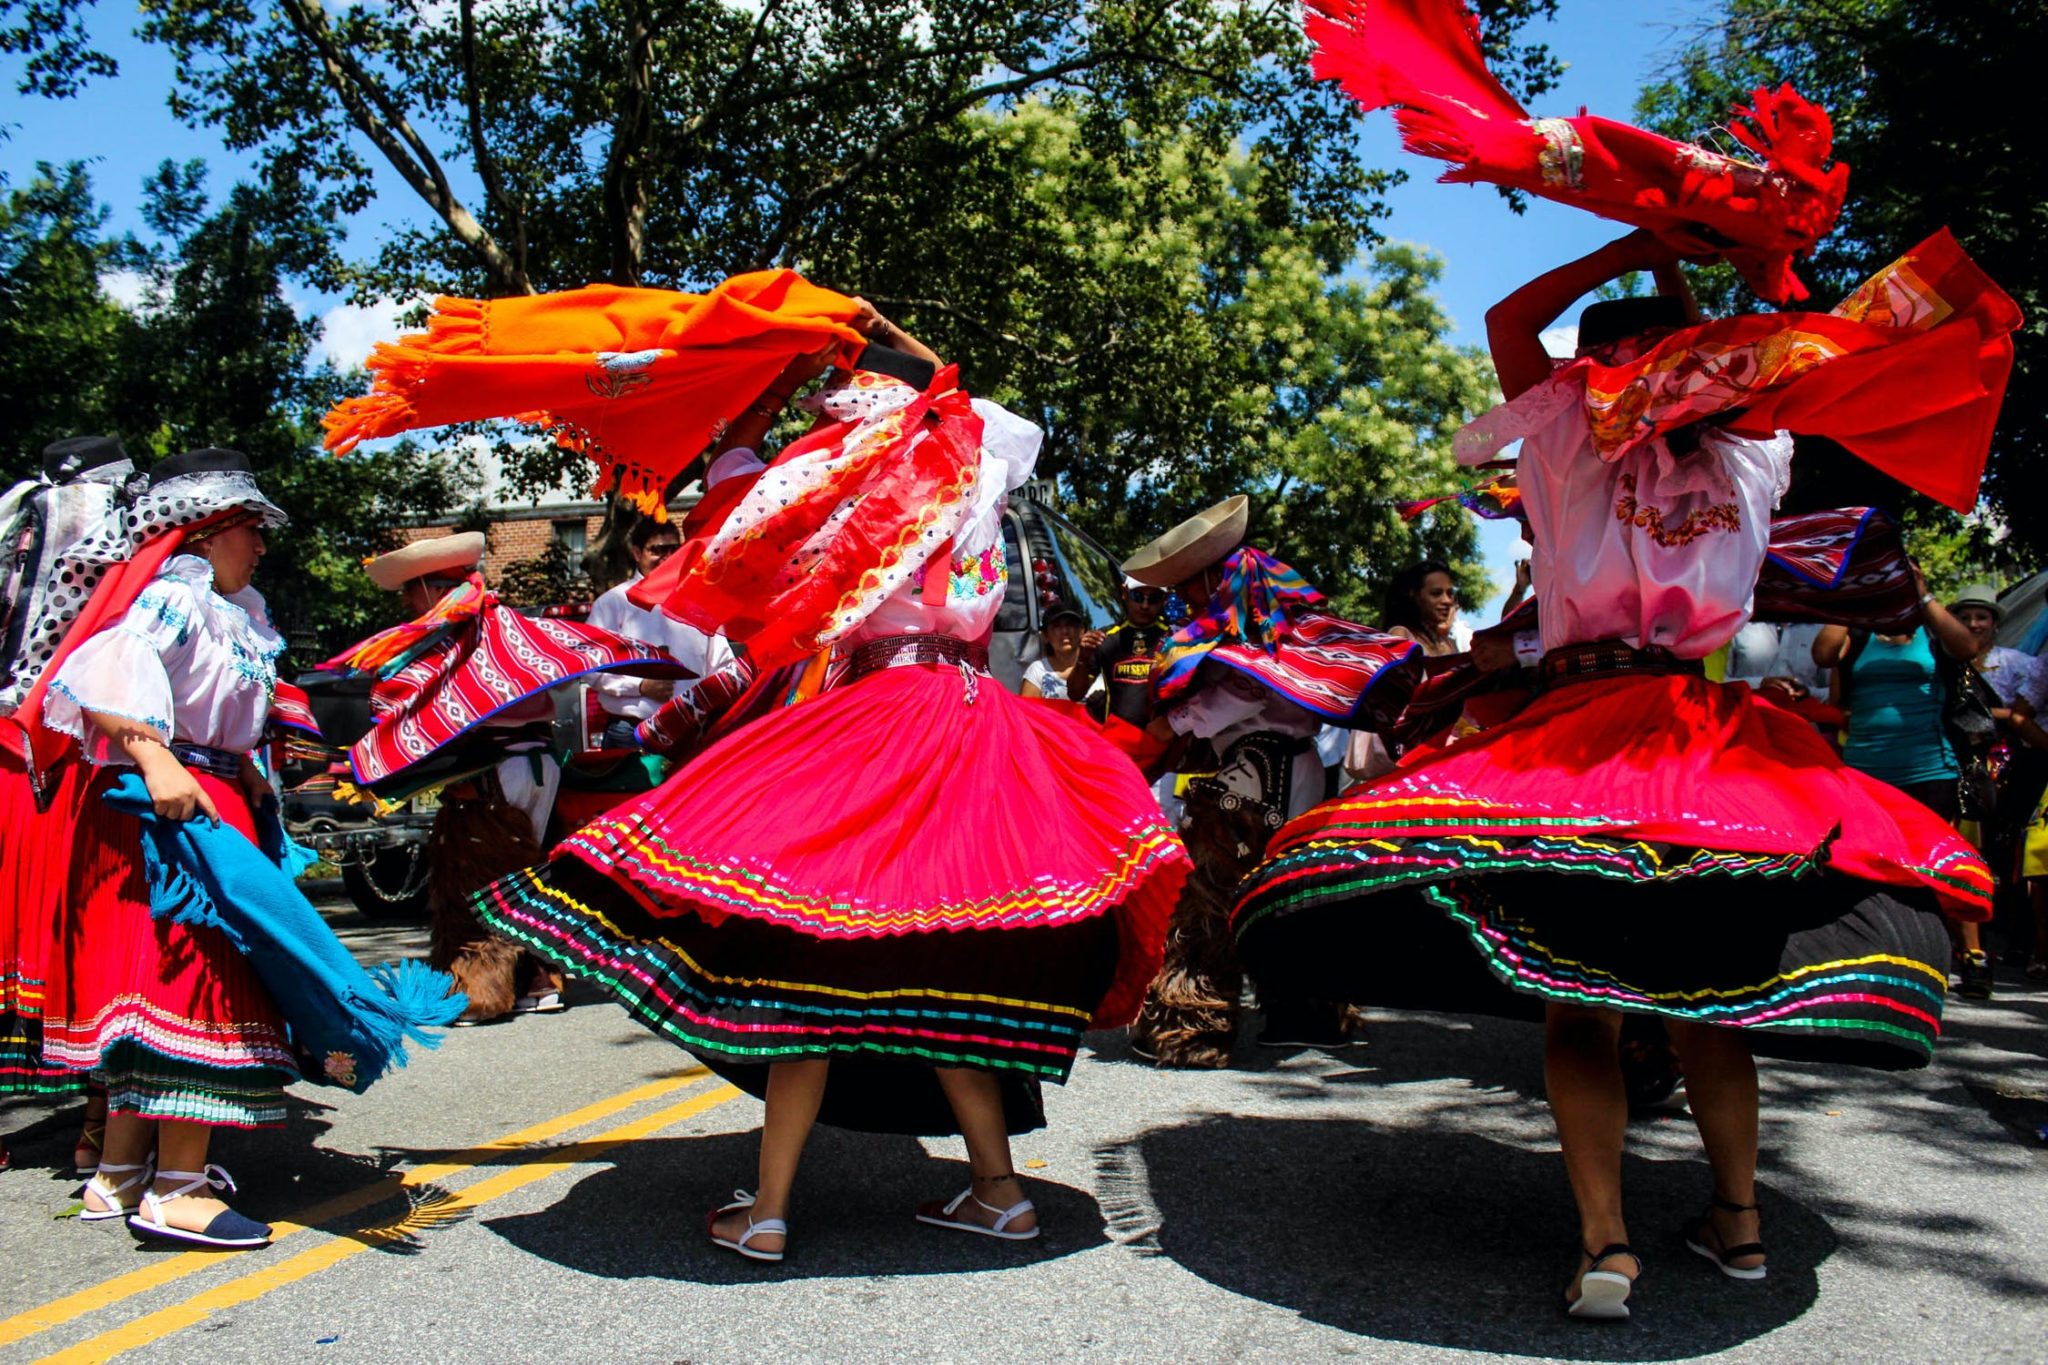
[[977, 575], [1720, 516], [340, 1067]]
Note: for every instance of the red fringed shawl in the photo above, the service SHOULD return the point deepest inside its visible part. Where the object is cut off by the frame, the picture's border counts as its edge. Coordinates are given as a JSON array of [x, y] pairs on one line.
[[801, 558], [1907, 373], [1423, 57]]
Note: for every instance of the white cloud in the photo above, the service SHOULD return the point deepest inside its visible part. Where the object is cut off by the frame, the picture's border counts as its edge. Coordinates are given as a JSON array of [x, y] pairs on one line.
[[125, 287], [348, 331], [1561, 341]]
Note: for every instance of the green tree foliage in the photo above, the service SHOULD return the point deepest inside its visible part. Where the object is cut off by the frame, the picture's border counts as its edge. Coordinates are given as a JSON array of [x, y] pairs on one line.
[[1183, 326], [1136, 217], [551, 578], [1911, 85], [212, 354], [674, 142], [58, 330]]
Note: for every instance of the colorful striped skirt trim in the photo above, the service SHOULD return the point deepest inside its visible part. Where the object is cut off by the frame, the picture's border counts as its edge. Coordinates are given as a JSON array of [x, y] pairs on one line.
[[664, 877], [1332, 869], [22, 1068], [744, 993], [1810, 964]]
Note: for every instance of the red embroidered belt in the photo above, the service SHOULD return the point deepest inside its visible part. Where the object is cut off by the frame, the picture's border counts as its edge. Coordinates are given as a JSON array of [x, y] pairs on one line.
[[901, 651], [1609, 659]]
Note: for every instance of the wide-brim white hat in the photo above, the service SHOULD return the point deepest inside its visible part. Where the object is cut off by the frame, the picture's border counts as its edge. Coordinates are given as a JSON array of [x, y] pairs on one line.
[[1192, 546], [455, 556]]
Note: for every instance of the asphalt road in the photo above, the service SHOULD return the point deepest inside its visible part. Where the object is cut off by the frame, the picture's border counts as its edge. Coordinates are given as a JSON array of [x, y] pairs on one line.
[[534, 1191]]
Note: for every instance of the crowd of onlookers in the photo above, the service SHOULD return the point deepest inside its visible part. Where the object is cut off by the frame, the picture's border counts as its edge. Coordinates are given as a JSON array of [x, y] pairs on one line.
[[1943, 712]]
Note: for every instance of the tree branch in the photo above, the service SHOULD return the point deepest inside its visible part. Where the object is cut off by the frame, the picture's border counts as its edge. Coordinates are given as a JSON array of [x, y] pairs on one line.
[[376, 115], [486, 164], [962, 315], [624, 191], [861, 163]]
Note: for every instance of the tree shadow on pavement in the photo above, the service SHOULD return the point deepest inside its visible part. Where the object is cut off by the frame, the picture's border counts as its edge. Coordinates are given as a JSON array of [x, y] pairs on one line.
[[644, 1216], [1439, 1237]]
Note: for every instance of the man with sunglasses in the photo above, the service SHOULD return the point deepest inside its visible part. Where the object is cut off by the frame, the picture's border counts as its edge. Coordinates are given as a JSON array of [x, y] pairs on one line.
[[1123, 657], [627, 700]]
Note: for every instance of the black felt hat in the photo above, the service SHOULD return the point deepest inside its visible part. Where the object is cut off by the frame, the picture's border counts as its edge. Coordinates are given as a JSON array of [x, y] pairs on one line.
[[74, 455], [210, 460], [912, 370], [1611, 320]]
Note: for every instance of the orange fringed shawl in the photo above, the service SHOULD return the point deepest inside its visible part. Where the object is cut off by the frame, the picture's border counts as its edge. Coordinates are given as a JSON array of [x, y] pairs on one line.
[[640, 380]]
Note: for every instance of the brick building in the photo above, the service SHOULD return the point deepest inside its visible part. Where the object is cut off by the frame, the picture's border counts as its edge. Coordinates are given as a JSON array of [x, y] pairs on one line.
[[516, 534]]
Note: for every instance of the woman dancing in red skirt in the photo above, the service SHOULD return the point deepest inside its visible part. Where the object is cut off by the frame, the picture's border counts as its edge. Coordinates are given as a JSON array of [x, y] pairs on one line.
[[1637, 838]]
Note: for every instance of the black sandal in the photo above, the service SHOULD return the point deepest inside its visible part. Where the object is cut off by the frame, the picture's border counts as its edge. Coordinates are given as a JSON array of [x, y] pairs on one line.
[[1603, 1294], [1700, 1229]]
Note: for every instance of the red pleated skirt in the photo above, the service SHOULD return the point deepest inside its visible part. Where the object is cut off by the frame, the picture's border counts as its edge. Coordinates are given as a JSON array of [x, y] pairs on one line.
[[171, 1017], [1669, 760], [35, 851], [897, 806], [912, 871]]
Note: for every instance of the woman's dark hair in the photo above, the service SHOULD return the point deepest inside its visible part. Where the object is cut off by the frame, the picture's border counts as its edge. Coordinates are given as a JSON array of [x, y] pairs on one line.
[[646, 529], [1399, 608]]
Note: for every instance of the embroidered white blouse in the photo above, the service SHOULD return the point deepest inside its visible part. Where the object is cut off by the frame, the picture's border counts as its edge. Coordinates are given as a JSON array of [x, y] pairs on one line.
[[193, 665], [1651, 548], [619, 694]]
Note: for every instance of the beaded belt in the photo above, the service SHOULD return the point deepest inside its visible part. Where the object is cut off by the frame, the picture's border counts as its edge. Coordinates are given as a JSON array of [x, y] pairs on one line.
[[901, 651], [1611, 659], [219, 762]]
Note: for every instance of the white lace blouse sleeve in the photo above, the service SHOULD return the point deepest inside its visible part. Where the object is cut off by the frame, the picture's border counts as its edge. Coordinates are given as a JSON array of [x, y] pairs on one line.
[[125, 670]]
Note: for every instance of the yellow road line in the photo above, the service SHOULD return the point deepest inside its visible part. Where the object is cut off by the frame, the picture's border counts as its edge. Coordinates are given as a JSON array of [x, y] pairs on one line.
[[76, 1305], [156, 1326]]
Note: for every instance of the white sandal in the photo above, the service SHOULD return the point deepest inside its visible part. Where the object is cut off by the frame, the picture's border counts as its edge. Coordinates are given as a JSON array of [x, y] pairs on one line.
[[1603, 1294], [228, 1229], [1004, 1217], [741, 1201], [112, 1193]]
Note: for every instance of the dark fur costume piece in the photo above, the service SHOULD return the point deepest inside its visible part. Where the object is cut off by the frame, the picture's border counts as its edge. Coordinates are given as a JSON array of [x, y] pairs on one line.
[[478, 837], [1192, 1010]]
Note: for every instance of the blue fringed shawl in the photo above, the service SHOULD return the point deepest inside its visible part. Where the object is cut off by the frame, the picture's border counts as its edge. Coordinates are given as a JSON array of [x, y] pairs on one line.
[[352, 1023]]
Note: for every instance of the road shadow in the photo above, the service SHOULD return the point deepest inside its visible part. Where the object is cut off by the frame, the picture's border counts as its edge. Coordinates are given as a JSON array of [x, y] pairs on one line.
[[1395, 1048], [1438, 1237], [644, 1216]]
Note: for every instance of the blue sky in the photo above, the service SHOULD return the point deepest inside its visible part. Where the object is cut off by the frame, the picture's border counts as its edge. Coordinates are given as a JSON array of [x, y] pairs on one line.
[[1613, 47]]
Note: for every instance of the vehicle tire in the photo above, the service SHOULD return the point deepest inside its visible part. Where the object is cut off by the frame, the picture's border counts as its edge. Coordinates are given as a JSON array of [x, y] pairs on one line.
[[392, 885]]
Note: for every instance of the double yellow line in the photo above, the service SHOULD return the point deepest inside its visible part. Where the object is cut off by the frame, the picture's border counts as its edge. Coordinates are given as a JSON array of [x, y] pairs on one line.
[[275, 1275]]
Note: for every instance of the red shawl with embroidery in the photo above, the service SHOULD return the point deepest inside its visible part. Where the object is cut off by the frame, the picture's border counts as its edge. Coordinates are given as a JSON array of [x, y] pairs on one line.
[[1907, 373], [1423, 57], [809, 545]]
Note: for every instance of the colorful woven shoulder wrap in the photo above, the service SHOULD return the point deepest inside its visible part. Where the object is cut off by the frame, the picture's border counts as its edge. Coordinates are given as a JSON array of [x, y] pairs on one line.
[[1268, 623]]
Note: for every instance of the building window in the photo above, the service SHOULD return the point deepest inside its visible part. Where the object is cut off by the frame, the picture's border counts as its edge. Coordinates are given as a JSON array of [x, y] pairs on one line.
[[572, 535]]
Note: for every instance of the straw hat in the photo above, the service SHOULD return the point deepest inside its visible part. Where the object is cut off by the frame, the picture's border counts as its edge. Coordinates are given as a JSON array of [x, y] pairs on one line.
[[455, 556], [1192, 546], [1978, 595]]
